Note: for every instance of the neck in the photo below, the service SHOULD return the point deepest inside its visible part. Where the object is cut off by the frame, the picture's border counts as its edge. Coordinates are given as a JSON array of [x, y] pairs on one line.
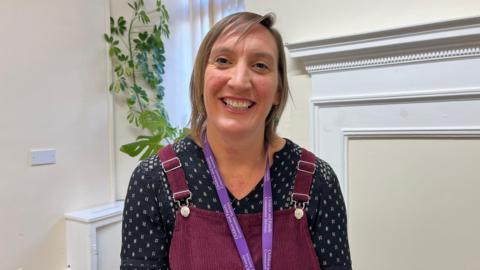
[[229, 152], [241, 161]]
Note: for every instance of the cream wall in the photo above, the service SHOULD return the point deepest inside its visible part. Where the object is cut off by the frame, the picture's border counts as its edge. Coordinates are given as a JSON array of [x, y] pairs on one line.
[[307, 20], [53, 81]]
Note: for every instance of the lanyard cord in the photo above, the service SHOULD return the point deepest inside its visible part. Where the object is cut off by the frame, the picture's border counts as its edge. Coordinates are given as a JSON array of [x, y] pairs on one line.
[[233, 224]]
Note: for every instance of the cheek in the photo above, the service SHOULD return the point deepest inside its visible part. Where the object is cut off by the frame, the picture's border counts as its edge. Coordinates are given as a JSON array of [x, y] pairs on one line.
[[269, 88], [214, 81]]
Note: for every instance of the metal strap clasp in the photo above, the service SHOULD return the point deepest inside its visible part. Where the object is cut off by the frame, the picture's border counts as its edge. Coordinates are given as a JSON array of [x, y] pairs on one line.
[[299, 206], [184, 202], [186, 199], [167, 162], [296, 195], [307, 167]]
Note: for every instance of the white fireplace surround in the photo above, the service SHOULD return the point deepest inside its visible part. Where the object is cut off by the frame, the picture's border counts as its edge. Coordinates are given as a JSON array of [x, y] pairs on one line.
[[418, 81]]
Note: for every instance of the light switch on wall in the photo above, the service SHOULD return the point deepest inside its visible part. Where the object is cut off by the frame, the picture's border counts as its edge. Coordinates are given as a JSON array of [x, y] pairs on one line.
[[43, 156]]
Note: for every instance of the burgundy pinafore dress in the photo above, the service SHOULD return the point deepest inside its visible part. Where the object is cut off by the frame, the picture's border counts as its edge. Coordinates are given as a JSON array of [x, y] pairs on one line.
[[202, 239]]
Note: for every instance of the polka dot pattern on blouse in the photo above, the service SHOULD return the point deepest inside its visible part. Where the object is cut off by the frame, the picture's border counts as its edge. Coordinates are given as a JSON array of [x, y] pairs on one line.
[[149, 213]]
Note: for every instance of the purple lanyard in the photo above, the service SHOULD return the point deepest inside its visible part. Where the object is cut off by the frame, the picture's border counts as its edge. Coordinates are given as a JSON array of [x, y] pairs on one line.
[[235, 229]]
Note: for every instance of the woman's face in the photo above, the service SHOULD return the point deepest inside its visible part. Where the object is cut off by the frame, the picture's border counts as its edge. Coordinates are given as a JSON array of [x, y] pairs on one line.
[[241, 83]]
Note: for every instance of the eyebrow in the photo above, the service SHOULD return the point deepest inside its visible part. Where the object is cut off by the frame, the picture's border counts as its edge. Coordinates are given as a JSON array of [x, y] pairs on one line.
[[259, 54]]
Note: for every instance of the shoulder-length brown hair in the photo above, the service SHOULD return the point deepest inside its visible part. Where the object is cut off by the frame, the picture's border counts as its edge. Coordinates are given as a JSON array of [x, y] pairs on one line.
[[238, 23]]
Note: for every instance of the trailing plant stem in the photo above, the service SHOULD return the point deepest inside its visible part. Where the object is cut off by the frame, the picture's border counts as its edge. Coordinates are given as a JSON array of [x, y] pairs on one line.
[[139, 74], [132, 59]]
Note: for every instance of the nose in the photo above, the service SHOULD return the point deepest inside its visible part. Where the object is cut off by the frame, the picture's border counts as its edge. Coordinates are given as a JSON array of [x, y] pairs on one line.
[[240, 77]]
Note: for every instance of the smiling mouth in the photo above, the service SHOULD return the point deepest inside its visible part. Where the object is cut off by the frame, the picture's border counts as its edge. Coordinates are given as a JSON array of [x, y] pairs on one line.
[[238, 104]]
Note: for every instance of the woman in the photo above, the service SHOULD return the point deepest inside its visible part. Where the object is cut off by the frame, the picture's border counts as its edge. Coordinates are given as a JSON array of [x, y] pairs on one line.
[[235, 195]]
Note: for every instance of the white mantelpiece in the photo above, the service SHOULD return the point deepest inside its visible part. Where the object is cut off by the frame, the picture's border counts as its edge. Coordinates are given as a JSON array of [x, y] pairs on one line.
[[82, 228], [420, 80], [422, 43]]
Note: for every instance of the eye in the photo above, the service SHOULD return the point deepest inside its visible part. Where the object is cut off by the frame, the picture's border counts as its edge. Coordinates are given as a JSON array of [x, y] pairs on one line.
[[221, 60], [261, 66]]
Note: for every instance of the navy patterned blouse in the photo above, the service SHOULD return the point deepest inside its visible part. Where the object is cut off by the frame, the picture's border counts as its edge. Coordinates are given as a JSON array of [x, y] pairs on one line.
[[149, 213]]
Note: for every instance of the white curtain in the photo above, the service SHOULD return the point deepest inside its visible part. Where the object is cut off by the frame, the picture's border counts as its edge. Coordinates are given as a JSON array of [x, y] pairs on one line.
[[205, 13], [190, 20]]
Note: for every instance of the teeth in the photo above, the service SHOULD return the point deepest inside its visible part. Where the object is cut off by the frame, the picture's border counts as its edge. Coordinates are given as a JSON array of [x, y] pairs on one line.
[[237, 104]]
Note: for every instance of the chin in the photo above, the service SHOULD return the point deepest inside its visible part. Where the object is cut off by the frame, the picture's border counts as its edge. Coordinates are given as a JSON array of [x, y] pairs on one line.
[[236, 130]]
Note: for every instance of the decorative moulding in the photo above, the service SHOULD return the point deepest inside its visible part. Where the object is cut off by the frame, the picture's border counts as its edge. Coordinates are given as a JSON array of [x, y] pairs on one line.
[[429, 42], [412, 132], [400, 133], [405, 96]]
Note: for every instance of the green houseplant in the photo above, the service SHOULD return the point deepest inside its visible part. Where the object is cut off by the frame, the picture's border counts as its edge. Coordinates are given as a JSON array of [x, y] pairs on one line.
[[137, 51]]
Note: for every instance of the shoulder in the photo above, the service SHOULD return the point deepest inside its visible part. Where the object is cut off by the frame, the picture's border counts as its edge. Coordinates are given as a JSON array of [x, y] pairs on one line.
[[152, 165], [146, 175], [150, 170], [324, 173], [186, 146]]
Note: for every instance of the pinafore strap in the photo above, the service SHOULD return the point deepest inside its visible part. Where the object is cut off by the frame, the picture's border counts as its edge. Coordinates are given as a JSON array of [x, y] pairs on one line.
[[303, 180], [172, 166], [176, 177]]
